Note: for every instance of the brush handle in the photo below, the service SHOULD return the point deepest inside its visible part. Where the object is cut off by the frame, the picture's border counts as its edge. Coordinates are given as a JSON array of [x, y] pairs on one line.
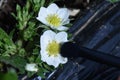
[[70, 50]]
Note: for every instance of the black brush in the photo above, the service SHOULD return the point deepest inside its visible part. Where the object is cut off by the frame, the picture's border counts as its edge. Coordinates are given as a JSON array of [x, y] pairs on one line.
[[73, 50]]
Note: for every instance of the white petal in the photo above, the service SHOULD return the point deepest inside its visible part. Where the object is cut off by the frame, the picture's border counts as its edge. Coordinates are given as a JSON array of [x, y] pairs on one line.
[[51, 60], [41, 16], [62, 60], [54, 61], [42, 19], [43, 44], [44, 41], [61, 37], [42, 12], [66, 22], [47, 37], [61, 28], [52, 8], [63, 14], [44, 56], [50, 35]]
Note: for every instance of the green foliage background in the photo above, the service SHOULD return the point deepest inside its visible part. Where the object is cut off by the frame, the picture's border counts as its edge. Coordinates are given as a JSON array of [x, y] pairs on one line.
[[14, 55]]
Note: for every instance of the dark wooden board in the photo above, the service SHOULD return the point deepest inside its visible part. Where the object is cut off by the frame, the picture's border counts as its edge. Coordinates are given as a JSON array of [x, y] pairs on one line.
[[98, 29]]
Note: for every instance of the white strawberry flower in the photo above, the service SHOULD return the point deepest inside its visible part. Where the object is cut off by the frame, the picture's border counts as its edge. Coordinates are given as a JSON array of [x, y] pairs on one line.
[[54, 17], [50, 45]]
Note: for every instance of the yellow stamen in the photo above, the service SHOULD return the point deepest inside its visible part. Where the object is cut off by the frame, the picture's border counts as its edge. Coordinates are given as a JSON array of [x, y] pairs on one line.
[[53, 20], [53, 48]]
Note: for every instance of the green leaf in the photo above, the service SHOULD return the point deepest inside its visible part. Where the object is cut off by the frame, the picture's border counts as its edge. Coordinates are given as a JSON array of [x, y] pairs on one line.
[[4, 36], [48, 67], [30, 74], [38, 60], [15, 61], [6, 44], [36, 51], [42, 2], [8, 76], [41, 74], [11, 33]]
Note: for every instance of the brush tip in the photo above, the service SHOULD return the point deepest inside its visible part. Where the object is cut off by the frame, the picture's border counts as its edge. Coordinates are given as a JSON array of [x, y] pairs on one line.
[[69, 49]]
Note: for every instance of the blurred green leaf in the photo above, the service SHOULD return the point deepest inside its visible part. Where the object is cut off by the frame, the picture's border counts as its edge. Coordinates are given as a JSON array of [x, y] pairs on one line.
[[7, 46], [4, 37], [12, 33], [15, 61], [37, 4], [42, 2], [29, 32], [38, 60], [30, 74], [48, 67], [8, 76], [36, 51], [41, 73]]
